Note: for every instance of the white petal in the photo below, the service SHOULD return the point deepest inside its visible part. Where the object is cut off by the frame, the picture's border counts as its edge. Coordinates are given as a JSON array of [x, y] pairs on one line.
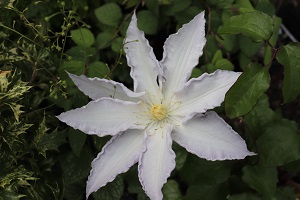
[[116, 157], [140, 57], [104, 116], [157, 162], [205, 92], [210, 137], [97, 88], [181, 53]]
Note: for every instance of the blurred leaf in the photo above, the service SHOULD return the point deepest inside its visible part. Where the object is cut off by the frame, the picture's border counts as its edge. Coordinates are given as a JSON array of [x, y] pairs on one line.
[[279, 144], [256, 25], [244, 61], [76, 168], [196, 73], [181, 155], [272, 40], [112, 191], [229, 42], [210, 192], [266, 6], [286, 193], [76, 140], [244, 196], [117, 45], [74, 191], [244, 4], [147, 22], [218, 55], [176, 6], [293, 166], [289, 57], [263, 180], [98, 69], [103, 40], [133, 183], [222, 64], [261, 117], [171, 191], [247, 46], [109, 14], [221, 3], [187, 15], [48, 141], [83, 37], [199, 171], [73, 67], [82, 54], [243, 95]]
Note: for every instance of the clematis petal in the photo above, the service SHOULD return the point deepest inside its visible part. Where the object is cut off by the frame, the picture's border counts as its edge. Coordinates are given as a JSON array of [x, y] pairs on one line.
[[181, 54], [140, 57], [97, 88], [210, 137], [104, 116], [205, 92], [156, 162], [116, 157]]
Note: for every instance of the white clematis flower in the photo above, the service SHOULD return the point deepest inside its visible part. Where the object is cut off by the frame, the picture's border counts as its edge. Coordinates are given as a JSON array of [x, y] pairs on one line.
[[144, 123]]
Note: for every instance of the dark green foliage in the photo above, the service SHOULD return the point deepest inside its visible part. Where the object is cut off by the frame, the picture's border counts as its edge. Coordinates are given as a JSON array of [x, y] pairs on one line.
[[42, 158]]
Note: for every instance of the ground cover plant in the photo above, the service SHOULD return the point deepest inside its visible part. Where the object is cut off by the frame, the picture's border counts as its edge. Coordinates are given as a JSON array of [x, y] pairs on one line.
[[43, 158]]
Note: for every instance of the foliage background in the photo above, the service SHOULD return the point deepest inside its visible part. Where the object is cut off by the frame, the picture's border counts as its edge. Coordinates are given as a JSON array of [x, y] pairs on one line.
[[42, 158]]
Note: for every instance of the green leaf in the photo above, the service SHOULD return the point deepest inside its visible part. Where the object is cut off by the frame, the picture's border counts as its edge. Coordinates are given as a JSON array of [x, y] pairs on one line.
[[279, 144], [244, 196], [181, 156], [247, 46], [82, 54], [210, 192], [103, 40], [261, 117], [73, 67], [76, 168], [245, 4], [147, 22], [266, 6], [199, 171], [272, 40], [112, 191], [76, 140], [220, 3], [222, 64], [218, 55], [48, 141], [83, 37], [243, 95], [244, 61], [109, 14], [196, 73], [171, 191], [98, 69], [289, 57], [74, 191], [263, 180], [293, 166], [176, 6], [18, 176], [229, 42], [256, 25], [286, 193], [117, 45]]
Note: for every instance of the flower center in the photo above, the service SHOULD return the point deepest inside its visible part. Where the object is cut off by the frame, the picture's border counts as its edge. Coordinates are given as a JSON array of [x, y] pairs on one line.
[[158, 111]]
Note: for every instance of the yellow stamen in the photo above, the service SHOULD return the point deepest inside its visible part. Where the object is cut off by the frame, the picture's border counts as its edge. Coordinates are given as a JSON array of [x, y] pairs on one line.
[[158, 111]]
